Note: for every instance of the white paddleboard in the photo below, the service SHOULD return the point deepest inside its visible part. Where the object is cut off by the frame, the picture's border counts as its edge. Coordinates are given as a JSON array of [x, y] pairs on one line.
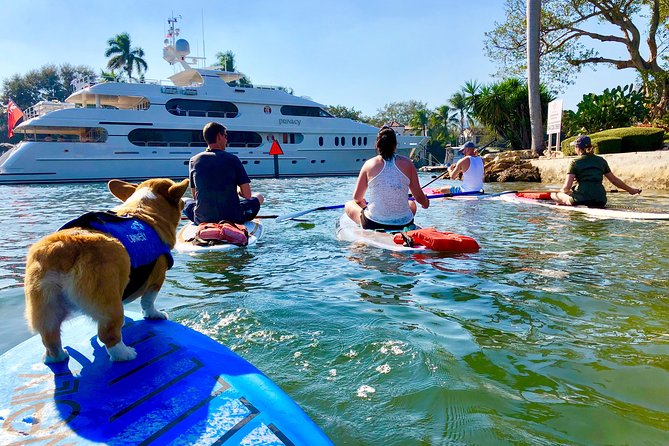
[[623, 214], [350, 231], [187, 232]]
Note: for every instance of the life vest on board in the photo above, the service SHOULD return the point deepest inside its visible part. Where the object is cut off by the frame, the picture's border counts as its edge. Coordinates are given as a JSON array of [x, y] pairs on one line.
[[224, 232]]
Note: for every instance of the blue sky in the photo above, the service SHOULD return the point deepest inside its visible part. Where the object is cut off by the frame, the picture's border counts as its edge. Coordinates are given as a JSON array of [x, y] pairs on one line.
[[358, 53]]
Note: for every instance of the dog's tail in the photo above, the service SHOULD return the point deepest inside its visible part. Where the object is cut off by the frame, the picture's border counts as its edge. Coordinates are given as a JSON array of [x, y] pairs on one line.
[[46, 307]]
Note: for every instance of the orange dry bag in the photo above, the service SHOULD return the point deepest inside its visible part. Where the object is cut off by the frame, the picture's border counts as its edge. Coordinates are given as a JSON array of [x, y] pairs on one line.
[[438, 240]]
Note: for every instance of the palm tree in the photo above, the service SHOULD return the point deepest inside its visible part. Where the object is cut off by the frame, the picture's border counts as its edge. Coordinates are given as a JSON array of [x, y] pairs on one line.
[[124, 57], [227, 61], [503, 107], [419, 119], [443, 122], [463, 106], [533, 9]]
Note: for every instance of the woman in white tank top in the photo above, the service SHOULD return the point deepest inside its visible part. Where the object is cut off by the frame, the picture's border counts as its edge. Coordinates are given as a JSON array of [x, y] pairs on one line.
[[386, 179]]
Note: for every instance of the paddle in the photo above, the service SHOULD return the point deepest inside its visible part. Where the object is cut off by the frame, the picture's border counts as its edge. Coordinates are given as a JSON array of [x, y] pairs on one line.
[[611, 191], [341, 206], [484, 196], [440, 176]]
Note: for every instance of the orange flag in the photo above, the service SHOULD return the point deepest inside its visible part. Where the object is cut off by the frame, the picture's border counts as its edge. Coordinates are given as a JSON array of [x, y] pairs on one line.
[[14, 117]]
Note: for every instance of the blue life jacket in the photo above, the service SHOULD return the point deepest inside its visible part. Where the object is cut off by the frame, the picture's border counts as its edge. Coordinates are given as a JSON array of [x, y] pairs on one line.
[[141, 241]]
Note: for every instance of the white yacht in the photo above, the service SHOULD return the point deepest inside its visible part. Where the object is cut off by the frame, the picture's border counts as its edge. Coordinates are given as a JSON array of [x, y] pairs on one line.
[[135, 131]]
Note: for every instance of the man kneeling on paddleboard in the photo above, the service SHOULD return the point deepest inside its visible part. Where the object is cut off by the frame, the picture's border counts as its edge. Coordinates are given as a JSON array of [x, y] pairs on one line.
[[387, 179], [471, 168], [589, 171], [220, 185]]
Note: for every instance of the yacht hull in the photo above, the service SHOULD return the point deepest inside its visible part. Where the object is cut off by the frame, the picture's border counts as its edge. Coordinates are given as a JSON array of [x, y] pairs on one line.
[[39, 163]]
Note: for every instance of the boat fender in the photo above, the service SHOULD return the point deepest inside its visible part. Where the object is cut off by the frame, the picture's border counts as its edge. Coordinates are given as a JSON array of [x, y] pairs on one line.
[[438, 240], [534, 195], [224, 232]]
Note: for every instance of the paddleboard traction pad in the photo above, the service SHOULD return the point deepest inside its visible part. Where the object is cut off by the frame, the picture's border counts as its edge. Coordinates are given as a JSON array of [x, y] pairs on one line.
[[182, 389]]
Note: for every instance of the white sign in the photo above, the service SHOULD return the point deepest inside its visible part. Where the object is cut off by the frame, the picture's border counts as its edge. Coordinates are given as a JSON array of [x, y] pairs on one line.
[[554, 124]]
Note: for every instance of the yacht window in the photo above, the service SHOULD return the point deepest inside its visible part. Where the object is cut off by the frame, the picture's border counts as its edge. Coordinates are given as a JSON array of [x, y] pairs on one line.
[[87, 100], [320, 141], [359, 141], [353, 140], [188, 138], [300, 110], [211, 109], [365, 140], [343, 140], [65, 134], [336, 140], [293, 138]]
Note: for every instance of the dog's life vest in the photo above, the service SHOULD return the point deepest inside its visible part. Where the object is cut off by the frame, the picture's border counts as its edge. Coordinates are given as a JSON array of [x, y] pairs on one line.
[[140, 240]]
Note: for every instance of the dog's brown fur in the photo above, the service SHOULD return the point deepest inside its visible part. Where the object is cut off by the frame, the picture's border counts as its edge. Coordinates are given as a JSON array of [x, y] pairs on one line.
[[89, 270]]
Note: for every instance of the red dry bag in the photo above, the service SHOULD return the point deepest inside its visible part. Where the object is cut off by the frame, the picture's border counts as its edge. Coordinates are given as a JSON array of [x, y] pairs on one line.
[[438, 240], [534, 195]]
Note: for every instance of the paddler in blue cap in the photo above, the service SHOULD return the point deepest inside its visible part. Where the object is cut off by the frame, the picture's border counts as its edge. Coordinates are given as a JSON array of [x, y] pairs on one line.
[[471, 168]]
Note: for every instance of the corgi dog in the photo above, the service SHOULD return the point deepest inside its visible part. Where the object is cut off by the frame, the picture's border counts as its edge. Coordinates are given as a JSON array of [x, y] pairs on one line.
[[87, 267]]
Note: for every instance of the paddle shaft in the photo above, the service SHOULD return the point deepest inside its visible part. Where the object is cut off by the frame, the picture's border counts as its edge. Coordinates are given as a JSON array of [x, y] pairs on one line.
[[341, 206]]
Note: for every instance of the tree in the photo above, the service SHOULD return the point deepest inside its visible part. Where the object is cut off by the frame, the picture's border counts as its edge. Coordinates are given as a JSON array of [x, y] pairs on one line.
[[618, 107], [50, 82], [400, 112], [420, 119], [534, 98], [227, 62], [463, 109], [565, 24], [341, 111], [124, 57], [504, 108]]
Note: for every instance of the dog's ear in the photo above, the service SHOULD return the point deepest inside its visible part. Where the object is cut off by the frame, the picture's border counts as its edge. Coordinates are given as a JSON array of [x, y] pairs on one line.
[[121, 189], [177, 190]]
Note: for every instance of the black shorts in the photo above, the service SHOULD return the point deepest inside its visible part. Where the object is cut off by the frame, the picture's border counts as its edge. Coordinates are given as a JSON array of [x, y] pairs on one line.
[[249, 208], [366, 223]]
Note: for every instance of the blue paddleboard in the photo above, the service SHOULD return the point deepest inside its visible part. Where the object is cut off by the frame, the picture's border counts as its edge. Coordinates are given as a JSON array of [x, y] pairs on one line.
[[182, 389]]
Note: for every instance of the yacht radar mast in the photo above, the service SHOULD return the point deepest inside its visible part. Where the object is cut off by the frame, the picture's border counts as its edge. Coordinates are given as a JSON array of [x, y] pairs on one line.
[[177, 50]]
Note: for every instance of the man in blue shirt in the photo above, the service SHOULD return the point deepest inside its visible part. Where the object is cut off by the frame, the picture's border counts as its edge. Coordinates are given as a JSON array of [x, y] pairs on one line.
[[218, 181]]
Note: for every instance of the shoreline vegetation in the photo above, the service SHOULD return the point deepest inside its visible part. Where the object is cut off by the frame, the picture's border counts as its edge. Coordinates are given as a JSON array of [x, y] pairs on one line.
[[648, 170]]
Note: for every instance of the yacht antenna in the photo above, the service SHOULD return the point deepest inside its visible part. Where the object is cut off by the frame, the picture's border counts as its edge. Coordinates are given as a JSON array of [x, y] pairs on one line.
[[204, 53], [177, 50]]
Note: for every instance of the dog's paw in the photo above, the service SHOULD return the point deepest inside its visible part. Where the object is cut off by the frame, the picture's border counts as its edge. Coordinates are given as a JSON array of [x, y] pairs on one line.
[[154, 314], [60, 357], [121, 352]]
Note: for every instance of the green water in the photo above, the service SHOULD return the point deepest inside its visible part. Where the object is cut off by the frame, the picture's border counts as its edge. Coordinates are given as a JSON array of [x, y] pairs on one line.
[[555, 332]]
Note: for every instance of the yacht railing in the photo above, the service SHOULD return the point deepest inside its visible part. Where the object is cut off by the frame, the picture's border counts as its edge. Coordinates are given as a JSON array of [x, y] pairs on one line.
[[44, 107], [204, 113], [82, 82], [88, 81], [189, 144]]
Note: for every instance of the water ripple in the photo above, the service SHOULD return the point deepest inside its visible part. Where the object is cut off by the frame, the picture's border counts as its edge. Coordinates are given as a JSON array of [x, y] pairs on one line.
[[553, 333]]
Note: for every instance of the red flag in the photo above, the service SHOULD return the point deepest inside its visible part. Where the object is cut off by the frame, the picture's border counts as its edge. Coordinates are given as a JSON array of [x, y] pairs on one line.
[[14, 117]]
